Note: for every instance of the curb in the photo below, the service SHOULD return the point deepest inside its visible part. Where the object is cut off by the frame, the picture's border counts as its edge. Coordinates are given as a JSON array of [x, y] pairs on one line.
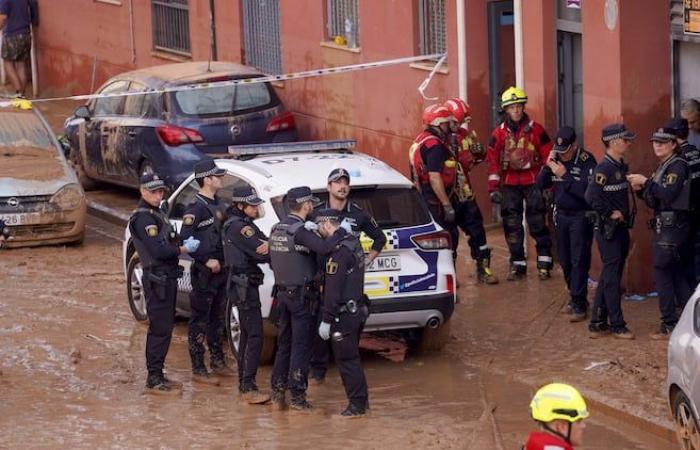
[[107, 214]]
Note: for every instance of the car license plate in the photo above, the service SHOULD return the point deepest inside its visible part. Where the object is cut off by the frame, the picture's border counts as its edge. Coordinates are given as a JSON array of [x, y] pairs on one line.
[[382, 263], [17, 219]]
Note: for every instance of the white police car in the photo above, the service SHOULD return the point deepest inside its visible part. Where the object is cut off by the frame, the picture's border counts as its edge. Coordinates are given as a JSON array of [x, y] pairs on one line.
[[411, 284]]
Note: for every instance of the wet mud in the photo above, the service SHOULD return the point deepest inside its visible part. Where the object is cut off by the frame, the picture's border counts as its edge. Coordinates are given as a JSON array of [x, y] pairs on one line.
[[30, 163], [72, 364]]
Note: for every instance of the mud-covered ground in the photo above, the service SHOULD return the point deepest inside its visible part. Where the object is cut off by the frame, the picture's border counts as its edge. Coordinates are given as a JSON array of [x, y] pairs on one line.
[[72, 365]]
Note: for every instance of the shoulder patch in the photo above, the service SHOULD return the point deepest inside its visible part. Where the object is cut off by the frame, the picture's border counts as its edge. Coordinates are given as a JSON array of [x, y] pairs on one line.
[[247, 231], [584, 156], [601, 179], [671, 178], [331, 267], [188, 219], [152, 230]]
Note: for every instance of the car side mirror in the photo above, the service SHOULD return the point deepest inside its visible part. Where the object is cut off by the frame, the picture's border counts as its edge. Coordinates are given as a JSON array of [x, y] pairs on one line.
[[82, 112]]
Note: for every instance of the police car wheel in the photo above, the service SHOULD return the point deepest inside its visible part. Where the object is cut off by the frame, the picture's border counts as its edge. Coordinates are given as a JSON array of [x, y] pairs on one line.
[[433, 339], [134, 288], [233, 328], [685, 423]]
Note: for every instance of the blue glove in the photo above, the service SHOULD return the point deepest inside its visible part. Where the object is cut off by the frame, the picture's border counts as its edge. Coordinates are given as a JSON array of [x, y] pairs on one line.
[[309, 225], [324, 330], [346, 225], [191, 244]]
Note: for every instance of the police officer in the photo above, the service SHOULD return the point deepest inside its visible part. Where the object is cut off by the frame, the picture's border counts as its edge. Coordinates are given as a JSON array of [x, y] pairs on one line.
[[569, 169], [203, 219], [691, 252], [608, 195], [359, 221], [4, 233], [517, 149], [156, 243], [245, 248], [293, 252], [345, 309], [465, 145], [667, 192]]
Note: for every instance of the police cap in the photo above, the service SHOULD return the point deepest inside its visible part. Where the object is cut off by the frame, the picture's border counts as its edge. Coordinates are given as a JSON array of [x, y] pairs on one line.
[[151, 182], [302, 194], [337, 174], [617, 131], [565, 137], [207, 168], [663, 135], [328, 214], [680, 126], [246, 194]]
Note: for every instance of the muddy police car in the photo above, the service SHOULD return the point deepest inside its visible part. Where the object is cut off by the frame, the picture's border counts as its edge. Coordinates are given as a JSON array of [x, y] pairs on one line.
[[411, 284]]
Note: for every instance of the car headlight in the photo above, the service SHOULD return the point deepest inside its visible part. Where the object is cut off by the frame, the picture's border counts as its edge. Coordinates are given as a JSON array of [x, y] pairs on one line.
[[68, 197]]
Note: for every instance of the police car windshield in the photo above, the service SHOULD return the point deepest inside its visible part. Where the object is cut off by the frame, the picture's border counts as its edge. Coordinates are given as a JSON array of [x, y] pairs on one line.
[[390, 207]]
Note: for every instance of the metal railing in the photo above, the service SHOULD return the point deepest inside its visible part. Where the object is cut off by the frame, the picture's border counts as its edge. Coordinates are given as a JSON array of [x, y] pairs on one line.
[[433, 34], [343, 21], [171, 26], [261, 28]]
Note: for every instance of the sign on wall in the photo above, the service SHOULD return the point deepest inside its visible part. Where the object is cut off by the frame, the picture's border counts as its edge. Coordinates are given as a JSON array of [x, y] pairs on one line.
[[691, 16], [573, 4]]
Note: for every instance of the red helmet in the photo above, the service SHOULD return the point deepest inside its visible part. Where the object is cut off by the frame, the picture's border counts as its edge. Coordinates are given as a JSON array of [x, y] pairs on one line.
[[459, 108], [434, 115]]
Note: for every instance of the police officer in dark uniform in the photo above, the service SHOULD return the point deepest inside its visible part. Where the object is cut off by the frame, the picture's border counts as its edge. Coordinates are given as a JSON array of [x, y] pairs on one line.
[[360, 221], [4, 233], [156, 243], [203, 219], [608, 194], [245, 247], [293, 252], [345, 309], [568, 170], [667, 192], [690, 252]]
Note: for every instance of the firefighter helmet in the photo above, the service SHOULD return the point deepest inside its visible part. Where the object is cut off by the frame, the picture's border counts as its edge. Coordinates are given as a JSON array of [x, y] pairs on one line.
[[459, 108], [434, 115], [513, 95], [558, 401]]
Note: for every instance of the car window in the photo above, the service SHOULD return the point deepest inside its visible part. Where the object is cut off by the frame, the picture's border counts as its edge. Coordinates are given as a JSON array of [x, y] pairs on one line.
[[23, 129], [146, 105], [186, 196], [390, 207], [109, 106], [223, 100]]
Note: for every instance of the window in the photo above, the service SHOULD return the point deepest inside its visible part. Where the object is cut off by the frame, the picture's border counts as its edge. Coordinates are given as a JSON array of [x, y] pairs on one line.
[[223, 100], [146, 105], [433, 35], [343, 26], [111, 106], [261, 28], [171, 26], [23, 129], [696, 318]]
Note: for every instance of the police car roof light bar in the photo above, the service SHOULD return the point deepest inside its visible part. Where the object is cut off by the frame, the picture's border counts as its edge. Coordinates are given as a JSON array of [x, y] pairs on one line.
[[250, 151]]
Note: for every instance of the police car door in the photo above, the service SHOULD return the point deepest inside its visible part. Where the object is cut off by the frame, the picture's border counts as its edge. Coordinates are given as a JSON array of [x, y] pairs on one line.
[[177, 203]]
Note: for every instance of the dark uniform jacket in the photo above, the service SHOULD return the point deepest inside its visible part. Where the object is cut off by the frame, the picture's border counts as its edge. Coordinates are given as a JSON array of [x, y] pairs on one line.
[[361, 221], [692, 155], [204, 219], [570, 190], [608, 190], [242, 233], [147, 224], [344, 275], [662, 191]]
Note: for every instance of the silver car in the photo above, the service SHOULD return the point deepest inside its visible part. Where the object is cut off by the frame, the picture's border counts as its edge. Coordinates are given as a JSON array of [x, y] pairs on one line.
[[683, 380]]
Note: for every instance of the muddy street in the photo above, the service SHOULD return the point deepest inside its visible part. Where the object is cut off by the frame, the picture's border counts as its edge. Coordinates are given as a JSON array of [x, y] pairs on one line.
[[73, 373]]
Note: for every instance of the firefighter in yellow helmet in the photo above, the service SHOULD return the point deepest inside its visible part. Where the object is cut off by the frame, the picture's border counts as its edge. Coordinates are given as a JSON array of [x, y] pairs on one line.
[[517, 150], [560, 410]]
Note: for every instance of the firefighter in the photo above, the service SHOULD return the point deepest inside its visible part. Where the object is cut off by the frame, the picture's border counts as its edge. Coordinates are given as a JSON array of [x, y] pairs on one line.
[[667, 192], [470, 152], [560, 410], [517, 149]]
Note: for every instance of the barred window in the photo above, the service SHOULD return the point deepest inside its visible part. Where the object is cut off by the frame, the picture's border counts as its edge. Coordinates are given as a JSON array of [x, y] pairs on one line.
[[261, 28], [433, 34], [171, 26], [343, 24]]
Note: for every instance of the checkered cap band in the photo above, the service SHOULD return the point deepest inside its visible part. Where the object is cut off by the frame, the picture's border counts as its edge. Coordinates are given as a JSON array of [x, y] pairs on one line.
[[306, 198], [153, 185], [622, 135], [252, 198], [663, 136], [208, 173]]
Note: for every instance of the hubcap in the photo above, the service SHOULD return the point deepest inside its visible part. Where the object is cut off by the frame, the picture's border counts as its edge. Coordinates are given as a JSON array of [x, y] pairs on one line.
[[686, 428], [235, 328], [136, 284]]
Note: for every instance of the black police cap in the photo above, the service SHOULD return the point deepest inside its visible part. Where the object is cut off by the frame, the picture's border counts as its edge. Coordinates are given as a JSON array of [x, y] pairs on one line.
[[617, 131], [302, 194], [327, 214], [565, 137], [151, 181], [207, 168], [680, 126], [337, 174], [663, 134], [246, 194]]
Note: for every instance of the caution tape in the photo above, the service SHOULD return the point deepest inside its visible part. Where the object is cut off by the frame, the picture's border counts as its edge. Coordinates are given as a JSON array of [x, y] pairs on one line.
[[253, 80]]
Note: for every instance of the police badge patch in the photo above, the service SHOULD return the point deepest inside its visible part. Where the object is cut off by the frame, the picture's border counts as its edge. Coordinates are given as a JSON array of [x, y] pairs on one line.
[[152, 230], [600, 179], [331, 267], [188, 219], [247, 231], [671, 178]]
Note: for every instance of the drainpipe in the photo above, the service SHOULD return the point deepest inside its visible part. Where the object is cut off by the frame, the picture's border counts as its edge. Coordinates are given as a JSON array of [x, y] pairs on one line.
[[462, 49], [212, 30], [131, 32], [519, 60]]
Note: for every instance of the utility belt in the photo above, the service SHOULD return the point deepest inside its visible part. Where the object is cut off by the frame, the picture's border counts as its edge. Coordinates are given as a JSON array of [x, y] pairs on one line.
[[158, 278], [665, 220], [354, 306], [573, 212], [607, 226], [308, 293]]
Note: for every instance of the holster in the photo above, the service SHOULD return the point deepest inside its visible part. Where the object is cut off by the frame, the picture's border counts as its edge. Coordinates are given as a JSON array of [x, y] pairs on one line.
[[201, 275], [593, 218], [237, 288], [608, 228], [158, 283], [312, 297]]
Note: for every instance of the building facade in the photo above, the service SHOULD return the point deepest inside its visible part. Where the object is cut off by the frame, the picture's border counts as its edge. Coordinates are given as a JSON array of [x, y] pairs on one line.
[[583, 63]]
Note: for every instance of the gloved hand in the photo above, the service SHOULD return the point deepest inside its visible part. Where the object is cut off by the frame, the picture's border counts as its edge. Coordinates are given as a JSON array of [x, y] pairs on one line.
[[324, 330], [309, 225], [477, 149], [496, 197], [346, 225], [449, 213], [191, 244]]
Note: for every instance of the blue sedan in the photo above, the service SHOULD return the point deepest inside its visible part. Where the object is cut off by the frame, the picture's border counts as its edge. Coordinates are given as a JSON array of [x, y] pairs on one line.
[[115, 139]]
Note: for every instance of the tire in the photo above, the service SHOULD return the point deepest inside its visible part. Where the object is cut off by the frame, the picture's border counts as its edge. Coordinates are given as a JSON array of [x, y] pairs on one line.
[[134, 288], [685, 423], [233, 335], [433, 339], [76, 163]]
